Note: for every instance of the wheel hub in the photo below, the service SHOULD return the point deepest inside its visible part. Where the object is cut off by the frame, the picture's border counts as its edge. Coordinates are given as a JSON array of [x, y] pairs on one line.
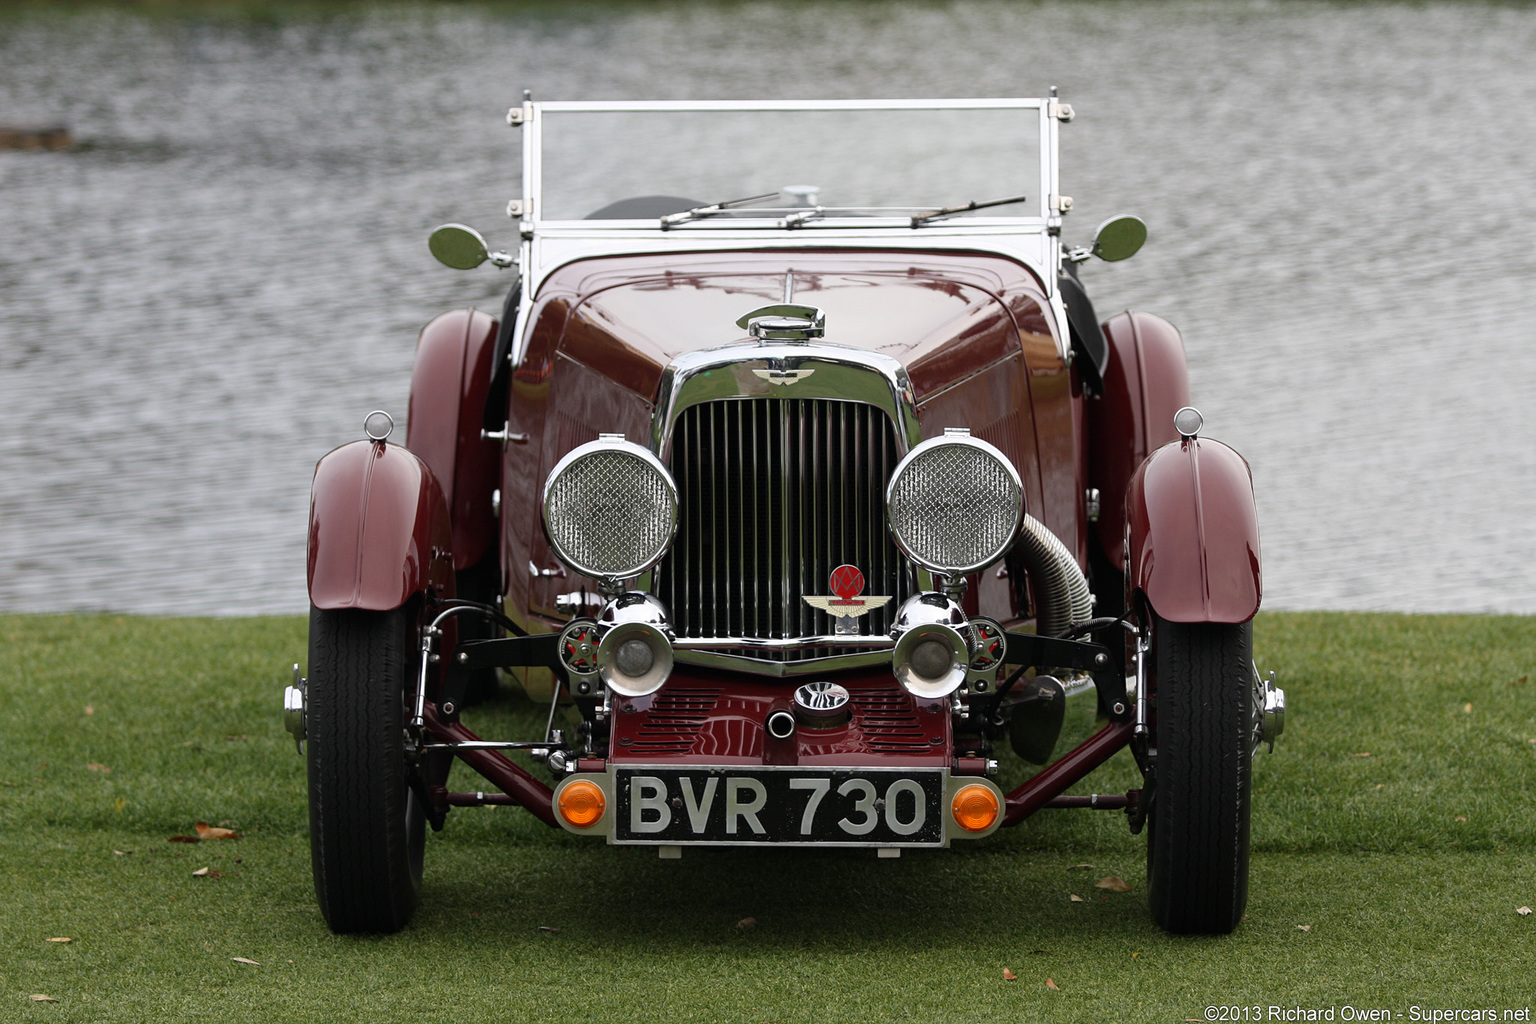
[[1268, 711]]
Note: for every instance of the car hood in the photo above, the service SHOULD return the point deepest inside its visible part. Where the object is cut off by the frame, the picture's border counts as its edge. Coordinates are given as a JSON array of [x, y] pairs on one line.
[[945, 316]]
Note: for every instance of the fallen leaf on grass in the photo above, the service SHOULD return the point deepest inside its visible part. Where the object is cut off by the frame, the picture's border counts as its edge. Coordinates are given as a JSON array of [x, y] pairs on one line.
[[747, 923], [40, 998], [97, 767], [1050, 983], [90, 710], [244, 960], [1075, 898], [1113, 883], [1381, 785], [1467, 708], [1080, 867], [207, 873], [1520, 682], [1304, 927], [121, 853], [62, 938], [1009, 975], [549, 928], [1524, 911], [1364, 753], [1461, 817], [207, 831], [1135, 955]]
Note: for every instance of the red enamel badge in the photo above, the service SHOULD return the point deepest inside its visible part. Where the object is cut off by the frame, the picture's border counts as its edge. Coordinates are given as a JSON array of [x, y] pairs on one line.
[[847, 583]]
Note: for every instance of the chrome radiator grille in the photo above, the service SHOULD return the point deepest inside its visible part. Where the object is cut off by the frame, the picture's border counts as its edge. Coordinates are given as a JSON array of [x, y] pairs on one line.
[[774, 495]]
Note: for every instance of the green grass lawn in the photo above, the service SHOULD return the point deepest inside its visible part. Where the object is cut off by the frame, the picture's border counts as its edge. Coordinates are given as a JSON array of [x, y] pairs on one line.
[[1394, 838]]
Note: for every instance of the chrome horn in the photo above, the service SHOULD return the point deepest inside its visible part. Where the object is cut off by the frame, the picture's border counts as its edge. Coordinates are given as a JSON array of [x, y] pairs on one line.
[[634, 657], [932, 650]]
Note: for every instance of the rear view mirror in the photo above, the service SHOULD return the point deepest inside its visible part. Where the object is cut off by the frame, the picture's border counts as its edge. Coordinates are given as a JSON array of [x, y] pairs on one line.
[[463, 248], [1119, 238]]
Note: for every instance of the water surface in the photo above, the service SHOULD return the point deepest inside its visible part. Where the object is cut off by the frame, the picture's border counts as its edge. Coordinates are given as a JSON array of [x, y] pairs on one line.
[[230, 271]]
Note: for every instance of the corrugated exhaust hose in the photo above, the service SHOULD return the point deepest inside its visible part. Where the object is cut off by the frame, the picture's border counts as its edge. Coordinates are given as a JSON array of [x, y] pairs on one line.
[[1060, 588]]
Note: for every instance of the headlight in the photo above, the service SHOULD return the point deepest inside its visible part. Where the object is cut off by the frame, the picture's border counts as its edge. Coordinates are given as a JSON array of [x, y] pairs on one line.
[[610, 509], [954, 504]]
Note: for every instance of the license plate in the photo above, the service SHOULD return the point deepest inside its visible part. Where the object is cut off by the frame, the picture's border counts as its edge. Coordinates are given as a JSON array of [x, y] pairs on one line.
[[729, 806]]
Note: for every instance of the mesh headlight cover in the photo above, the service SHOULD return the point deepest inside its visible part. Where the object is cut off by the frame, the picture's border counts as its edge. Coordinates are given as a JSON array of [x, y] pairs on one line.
[[610, 508], [954, 504]]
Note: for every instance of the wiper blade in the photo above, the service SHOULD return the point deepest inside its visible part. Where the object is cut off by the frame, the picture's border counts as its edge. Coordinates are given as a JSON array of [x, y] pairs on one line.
[[700, 212], [918, 220]]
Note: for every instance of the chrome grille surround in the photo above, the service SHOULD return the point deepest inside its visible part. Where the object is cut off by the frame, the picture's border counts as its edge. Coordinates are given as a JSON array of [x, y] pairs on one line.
[[778, 485]]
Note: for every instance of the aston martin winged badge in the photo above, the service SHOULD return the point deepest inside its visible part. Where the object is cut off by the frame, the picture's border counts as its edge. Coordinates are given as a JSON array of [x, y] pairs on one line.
[[846, 582], [784, 377]]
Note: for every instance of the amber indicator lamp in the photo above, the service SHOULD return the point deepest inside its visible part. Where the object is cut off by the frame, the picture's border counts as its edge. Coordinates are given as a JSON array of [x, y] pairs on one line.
[[582, 804], [975, 808]]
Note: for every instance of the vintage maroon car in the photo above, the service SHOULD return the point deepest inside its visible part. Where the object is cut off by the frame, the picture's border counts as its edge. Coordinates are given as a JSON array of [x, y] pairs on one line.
[[790, 508]]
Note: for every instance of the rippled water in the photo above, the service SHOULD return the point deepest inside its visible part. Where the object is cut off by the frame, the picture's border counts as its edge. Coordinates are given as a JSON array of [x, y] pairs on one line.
[[230, 270]]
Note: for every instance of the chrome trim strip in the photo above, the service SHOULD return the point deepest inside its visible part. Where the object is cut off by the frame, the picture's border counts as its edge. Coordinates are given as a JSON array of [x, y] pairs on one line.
[[756, 666], [713, 643], [663, 106]]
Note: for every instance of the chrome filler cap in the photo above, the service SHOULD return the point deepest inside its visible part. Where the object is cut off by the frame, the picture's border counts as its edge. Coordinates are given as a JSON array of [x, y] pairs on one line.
[[821, 705]]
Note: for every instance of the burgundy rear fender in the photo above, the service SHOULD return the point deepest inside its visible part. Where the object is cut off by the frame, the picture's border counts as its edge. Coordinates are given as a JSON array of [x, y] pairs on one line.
[[1192, 534], [1145, 383], [448, 392], [378, 529]]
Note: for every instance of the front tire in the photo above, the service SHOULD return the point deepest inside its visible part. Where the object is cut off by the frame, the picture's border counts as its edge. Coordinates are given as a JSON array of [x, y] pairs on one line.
[[367, 830], [1198, 821]]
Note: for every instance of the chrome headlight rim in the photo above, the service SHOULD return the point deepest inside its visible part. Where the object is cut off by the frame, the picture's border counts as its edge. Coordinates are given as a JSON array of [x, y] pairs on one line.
[[608, 445], [1010, 525]]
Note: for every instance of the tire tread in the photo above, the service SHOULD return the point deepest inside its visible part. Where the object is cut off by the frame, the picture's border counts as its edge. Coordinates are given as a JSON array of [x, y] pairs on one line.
[[1198, 847], [360, 810]]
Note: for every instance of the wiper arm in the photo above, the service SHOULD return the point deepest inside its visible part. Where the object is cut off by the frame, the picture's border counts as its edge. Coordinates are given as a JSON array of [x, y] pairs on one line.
[[918, 220], [700, 212]]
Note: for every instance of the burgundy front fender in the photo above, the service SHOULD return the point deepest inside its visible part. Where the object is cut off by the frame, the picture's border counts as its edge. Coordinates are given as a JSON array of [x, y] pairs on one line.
[[1192, 534], [448, 391], [1145, 383], [378, 529]]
